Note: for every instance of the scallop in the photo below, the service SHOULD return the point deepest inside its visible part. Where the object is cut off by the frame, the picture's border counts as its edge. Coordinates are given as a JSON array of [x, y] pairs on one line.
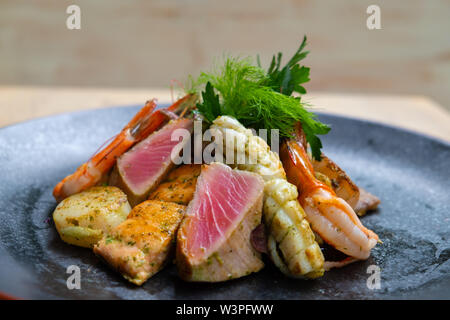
[[83, 218]]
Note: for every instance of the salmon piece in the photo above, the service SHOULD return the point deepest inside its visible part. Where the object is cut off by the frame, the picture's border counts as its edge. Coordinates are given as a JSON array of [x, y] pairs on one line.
[[139, 246], [179, 186], [213, 243], [144, 166]]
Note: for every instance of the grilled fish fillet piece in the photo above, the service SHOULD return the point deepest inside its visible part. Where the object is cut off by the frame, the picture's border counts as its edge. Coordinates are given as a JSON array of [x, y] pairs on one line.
[[291, 242], [139, 246], [366, 202], [341, 183], [214, 238], [179, 186], [140, 170]]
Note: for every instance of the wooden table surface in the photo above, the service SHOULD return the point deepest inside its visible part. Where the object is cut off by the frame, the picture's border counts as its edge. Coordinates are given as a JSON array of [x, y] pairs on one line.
[[417, 113]]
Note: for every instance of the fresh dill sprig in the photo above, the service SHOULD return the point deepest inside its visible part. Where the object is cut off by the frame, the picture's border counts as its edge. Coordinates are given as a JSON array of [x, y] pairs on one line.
[[272, 110], [259, 99]]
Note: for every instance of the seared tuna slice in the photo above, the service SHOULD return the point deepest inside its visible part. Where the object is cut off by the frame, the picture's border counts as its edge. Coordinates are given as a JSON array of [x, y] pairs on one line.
[[142, 168], [213, 243], [139, 246]]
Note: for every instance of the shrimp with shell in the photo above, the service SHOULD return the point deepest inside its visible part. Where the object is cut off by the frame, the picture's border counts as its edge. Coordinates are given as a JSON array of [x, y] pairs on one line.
[[141, 125], [329, 216]]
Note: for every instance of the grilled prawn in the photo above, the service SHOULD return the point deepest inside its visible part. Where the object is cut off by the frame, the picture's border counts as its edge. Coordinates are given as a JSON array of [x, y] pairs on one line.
[[291, 242], [330, 216], [332, 175], [143, 123]]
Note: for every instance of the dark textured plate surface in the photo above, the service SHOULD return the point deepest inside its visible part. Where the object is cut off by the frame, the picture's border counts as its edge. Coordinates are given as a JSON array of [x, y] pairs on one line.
[[409, 172]]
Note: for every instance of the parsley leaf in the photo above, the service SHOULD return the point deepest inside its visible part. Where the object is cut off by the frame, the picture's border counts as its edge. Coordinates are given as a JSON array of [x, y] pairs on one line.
[[311, 130], [210, 107], [289, 78]]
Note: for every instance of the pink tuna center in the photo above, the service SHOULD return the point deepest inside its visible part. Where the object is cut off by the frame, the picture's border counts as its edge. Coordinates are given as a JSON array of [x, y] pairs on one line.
[[223, 197], [144, 164]]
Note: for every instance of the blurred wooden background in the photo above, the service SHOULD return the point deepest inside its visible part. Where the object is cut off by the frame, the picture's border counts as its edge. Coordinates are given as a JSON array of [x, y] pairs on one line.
[[144, 44]]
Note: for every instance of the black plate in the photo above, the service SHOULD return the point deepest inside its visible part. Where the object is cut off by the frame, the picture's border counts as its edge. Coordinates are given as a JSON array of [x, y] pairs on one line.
[[409, 172]]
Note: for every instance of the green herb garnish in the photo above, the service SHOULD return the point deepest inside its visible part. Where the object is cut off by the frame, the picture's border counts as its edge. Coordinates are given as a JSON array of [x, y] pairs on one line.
[[289, 78], [260, 99], [210, 108]]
